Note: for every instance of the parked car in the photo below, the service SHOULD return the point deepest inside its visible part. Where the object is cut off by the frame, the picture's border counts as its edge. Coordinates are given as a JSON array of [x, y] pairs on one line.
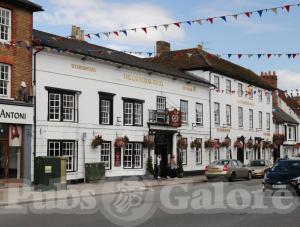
[[229, 169], [259, 167], [285, 174]]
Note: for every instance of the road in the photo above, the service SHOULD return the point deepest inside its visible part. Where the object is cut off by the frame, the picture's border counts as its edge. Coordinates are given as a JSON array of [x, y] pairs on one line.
[[239, 203]]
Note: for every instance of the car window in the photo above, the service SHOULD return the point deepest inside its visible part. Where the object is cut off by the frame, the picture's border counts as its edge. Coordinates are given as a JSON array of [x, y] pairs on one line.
[[234, 163], [220, 162], [240, 163], [258, 163], [284, 166]]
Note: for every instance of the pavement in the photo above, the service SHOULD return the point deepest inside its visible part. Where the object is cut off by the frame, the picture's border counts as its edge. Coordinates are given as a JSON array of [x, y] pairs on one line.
[[13, 194]]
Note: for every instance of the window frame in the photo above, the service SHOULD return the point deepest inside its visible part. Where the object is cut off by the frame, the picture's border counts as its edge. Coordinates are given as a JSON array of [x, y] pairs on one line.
[[109, 156], [133, 102], [240, 90], [9, 32], [61, 93], [164, 103], [133, 155], [108, 97], [240, 117], [8, 81], [184, 152], [186, 114], [197, 114], [228, 86], [260, 119], [217, 81], [292, 132], [260, 95], [268, 121], [199, 155], [218, 112], [74, 156], [251, 119], [228, 124], [268, 97]]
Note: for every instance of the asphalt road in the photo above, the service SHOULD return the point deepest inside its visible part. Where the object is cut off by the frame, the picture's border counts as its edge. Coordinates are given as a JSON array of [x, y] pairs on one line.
[[239, 203]]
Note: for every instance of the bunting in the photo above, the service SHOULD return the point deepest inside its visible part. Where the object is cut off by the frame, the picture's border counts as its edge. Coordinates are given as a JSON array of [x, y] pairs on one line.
[[209, 20]]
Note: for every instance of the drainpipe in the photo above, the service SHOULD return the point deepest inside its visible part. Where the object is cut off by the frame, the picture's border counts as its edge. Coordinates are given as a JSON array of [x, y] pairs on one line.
[[38, 50], [210, 136]]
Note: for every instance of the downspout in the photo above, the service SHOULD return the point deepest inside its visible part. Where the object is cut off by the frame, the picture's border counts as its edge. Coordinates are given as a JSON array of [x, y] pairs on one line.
[[210, 136], [34, 104]]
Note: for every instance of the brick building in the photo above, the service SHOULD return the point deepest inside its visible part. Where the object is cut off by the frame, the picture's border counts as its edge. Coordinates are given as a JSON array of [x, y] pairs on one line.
[[16, 108]]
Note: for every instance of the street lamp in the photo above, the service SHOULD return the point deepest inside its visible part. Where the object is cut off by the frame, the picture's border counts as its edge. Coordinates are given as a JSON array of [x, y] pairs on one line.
[[250, 140], [178, 136]]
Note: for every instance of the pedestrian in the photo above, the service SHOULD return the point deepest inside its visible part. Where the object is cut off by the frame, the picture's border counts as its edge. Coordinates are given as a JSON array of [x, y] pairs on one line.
[[173, 167], [158, 161]]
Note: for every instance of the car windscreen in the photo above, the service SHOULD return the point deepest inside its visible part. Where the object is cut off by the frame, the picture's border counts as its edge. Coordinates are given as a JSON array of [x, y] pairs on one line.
[[257, 163], [284, 166], [220, 163]]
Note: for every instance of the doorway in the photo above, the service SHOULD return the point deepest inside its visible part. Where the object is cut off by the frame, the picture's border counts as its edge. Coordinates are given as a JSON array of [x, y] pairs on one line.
[[240, 154], [163, 147], [3, 160]]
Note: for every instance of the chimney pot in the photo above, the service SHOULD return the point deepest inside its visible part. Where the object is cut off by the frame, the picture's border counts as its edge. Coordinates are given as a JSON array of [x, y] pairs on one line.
[[162, 47]]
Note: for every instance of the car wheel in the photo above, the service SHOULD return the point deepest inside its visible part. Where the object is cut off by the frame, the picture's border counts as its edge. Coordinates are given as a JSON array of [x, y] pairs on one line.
[[249, 177], [232, 177]]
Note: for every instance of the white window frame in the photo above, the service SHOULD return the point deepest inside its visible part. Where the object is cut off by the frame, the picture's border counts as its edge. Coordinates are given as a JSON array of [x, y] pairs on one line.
[[260, 119], [133, 112], [228, 86], [133, 156], [138, 113], [6, 11], [184, 108], [105, 154], [260, 95], [251, 119], [240, 117], [105, 111], [161, 103], [183, 156], [291, 133], [240, 90], [228, 115], [198, 154], [217, 81], [5, 70], [268, 121], [268, 98], [128, 113], [55, 108], [68, 107], [199, 113], [217, 113]]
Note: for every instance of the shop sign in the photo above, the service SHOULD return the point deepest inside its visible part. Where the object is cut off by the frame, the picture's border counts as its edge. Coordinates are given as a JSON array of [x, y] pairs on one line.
[[175, 118], [16, 114]]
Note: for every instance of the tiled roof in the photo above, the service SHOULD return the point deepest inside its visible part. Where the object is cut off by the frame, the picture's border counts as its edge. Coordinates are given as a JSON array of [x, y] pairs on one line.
[[26, 4], [292, 103], [82, 47], [202, 60], [281, 117]]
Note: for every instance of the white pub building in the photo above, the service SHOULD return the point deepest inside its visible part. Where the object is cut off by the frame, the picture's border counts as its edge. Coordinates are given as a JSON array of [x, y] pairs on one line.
[[87, 93]]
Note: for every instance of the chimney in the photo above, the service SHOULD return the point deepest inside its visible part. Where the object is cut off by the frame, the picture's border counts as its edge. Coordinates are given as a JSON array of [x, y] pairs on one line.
[[270, 78], [200, 47], [77, 33], [162, 47]]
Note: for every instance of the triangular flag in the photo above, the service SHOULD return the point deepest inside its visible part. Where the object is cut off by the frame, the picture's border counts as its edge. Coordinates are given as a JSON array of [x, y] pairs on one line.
[[289, 55], [88, 35], [211, 20], [248, 14], [259, 56], [279, 55], [209, 55], [235, 16], [287, 7], [250, 55], [125, 32], [229, 55], [224, 18], [269, 55], [145, 30], [189, 23], [274, 10], [177, 24], [133, 29], [149, 54], [116, 33], [155, 27], [260, 12], [97, 34], [239, 55], [199, 22], [294, 55], [166, 26]]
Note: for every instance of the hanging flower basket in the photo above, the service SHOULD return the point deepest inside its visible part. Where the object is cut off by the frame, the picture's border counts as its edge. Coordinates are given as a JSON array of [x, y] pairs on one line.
[[278, 138], [182, 143], [217, 144], [266, 145], [256, 146], [196, 144], [147, 143], [208, 144], [121, 142], [97, 141], [225, 143], [249, 145], [272, 146], [238, 144]]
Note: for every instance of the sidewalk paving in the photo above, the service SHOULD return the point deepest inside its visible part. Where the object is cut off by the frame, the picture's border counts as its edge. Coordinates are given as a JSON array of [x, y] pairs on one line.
[[16, 195]]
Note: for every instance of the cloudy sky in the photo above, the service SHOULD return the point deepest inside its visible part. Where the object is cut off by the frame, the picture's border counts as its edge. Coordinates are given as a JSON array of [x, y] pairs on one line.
[[269, 34]]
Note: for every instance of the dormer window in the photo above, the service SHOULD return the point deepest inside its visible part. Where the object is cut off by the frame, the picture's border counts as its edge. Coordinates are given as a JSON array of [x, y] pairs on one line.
[[5, 25]]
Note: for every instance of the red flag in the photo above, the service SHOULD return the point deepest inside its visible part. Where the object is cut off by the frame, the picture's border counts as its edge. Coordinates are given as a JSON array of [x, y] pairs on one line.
[[269, 55], [211, 20], [248, 14], [116, 33], [177, 24], [240, 55], [145, 30], [209, 55], [287, 7], [294, 55]]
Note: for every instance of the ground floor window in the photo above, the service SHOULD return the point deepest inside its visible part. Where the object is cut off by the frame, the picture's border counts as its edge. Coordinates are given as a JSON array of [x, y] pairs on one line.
[[182, 154], [217, 154], [132, 156], [64, 148], [199, 156], [105, 154]]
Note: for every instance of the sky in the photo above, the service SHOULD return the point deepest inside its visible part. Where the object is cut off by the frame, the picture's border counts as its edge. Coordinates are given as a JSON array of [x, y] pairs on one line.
[[271, 33]]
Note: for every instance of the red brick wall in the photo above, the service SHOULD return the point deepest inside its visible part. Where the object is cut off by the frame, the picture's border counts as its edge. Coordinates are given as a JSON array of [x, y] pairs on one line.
[[19, 58]]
